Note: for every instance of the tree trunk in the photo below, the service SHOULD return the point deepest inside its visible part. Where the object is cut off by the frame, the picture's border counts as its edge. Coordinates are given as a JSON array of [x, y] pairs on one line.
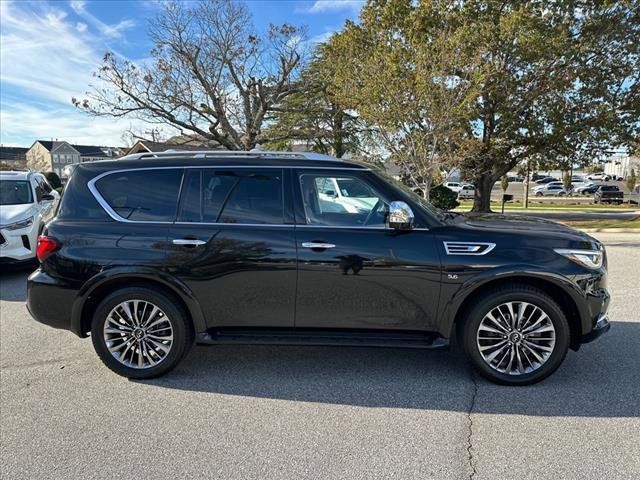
[[482, 198]]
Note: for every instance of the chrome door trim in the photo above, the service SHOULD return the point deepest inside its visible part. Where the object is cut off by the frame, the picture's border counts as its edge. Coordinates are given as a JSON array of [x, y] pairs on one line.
[[313, 245], [188, 242]]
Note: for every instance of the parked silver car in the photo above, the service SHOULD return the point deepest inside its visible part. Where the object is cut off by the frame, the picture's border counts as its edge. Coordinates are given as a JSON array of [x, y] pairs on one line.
[[552, 189]]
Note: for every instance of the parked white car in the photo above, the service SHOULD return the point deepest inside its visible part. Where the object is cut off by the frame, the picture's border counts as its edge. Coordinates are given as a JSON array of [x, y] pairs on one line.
[[344, 195], [467, 192], [551, 189], [456, 186], [27, 202], [599, 177]]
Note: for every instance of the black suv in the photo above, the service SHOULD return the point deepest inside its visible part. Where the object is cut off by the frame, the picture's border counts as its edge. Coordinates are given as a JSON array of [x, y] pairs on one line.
[[152, 252]]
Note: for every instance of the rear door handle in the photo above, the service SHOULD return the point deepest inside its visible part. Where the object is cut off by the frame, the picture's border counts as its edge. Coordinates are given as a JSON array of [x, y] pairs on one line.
[[188, 242], [319, 245]]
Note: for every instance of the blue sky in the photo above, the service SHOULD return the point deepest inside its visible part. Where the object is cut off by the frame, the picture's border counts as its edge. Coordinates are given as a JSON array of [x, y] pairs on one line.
[[50, 49]]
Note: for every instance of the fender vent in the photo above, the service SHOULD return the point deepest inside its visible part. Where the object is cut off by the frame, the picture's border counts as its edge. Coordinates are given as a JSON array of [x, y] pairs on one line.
[[468, 248]]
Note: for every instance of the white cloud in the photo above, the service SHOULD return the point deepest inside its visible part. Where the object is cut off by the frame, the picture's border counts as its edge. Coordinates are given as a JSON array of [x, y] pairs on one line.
[[81, 27], [113, 30], [325, 6], [46, 60], [321, 37]]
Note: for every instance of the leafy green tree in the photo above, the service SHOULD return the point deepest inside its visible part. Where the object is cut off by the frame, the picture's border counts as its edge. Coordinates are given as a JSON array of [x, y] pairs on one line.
[[491, 83], [313, 114], [53, 179], [409, 84], [559, 79]]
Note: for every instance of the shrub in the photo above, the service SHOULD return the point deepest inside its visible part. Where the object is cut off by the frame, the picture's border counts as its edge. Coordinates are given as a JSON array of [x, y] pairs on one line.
[[443, 198], [53, 179]]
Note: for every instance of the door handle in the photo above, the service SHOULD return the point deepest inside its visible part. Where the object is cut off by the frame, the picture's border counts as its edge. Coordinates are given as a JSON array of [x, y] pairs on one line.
[[188, 242], [318, 245]]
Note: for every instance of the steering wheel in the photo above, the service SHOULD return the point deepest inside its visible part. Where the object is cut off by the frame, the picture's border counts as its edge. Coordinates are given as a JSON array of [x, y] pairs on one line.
[[375, 208]]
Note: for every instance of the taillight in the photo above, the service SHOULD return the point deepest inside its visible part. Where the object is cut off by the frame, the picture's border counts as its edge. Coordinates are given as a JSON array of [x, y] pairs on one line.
[[46, 247]]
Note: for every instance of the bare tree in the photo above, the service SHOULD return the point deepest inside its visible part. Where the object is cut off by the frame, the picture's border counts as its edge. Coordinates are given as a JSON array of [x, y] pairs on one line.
[[210, 74]]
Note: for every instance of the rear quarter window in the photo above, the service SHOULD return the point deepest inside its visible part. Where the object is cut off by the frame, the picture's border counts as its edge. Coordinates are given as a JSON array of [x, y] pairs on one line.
[[143, 195]]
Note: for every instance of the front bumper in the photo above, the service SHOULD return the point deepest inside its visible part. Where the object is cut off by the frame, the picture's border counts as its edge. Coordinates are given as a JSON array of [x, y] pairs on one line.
[[18, 245], [602, 326]]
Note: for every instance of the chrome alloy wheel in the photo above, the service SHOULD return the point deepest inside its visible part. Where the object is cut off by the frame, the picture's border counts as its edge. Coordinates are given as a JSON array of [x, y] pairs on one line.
[[516, 338], [138, 334]]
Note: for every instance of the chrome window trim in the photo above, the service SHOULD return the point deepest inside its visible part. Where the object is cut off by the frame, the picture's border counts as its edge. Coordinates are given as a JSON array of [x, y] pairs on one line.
[[91, 184], [449, 245]]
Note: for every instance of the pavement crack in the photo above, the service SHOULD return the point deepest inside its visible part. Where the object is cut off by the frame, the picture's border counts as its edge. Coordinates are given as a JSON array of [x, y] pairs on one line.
[[470, 459]]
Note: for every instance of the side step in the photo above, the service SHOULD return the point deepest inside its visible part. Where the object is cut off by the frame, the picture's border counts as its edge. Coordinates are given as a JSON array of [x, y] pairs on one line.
[[321, 337]]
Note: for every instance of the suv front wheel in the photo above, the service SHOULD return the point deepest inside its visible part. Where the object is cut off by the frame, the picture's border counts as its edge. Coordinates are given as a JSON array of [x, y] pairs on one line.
[[138, 332], [516, 335]]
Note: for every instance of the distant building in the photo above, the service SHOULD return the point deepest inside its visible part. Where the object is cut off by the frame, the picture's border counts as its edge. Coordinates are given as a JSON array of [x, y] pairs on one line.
[[54, 156], [13, 158], [179, 142], [621, 164]]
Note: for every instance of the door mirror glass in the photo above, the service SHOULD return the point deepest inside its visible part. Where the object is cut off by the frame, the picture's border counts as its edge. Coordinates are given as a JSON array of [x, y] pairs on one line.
[[39, 193], [400, 216], [48, 197]]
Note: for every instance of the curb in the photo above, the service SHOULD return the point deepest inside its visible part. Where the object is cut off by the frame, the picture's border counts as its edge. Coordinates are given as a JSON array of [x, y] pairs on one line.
[[610, 230]]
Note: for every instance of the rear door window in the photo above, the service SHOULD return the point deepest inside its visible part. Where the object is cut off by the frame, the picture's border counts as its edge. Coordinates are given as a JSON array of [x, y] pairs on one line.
[[142, 195], [240, 196]]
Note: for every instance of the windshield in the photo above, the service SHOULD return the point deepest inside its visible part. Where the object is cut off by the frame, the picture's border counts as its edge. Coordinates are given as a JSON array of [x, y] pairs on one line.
[[350, 187], [433, 211], [15, 192]]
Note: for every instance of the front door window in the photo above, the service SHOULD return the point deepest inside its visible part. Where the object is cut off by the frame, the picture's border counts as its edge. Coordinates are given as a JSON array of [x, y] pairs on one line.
[[342, 200]]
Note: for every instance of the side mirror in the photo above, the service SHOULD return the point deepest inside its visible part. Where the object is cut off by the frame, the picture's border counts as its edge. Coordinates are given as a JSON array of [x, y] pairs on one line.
[[39, 194], [331, 193], [47, 196], [400, 216]]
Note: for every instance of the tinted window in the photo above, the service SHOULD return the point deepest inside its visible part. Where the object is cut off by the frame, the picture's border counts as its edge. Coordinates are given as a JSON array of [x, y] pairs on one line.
[[216, 187], [15, 192], [145, 195], [203, 194], [255, 197], [190, 206], [358, 205]]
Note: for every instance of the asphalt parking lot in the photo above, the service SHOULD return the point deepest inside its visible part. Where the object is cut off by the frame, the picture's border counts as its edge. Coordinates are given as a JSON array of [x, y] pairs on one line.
[[306, 412]]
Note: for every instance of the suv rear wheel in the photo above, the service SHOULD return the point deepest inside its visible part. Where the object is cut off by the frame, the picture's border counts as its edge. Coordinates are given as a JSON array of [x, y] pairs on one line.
[[516, 335], [138, 332]]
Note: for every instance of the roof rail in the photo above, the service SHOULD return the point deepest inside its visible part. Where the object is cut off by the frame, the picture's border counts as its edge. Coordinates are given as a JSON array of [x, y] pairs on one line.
[[228, 153]]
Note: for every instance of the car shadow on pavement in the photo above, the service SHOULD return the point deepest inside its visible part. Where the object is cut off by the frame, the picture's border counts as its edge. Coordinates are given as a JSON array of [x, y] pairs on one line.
[[600, 380], [13, 282]]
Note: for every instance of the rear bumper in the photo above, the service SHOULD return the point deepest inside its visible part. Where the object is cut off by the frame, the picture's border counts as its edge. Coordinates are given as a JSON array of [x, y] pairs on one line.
[[49, 301]]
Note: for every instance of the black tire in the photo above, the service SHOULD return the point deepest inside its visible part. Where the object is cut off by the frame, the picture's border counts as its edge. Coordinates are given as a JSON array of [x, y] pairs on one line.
[[516, 293], [182, 330]]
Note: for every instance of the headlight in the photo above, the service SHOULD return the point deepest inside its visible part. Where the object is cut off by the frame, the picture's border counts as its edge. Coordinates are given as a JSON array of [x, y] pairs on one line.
[[586, 258], [21, 224]]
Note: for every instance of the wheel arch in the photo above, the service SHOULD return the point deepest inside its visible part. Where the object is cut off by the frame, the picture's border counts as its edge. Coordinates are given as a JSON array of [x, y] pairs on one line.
[[557, 291], [97, 289]]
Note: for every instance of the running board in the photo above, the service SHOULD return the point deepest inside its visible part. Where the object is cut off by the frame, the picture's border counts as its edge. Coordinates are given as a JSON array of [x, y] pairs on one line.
[[318, 337]]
